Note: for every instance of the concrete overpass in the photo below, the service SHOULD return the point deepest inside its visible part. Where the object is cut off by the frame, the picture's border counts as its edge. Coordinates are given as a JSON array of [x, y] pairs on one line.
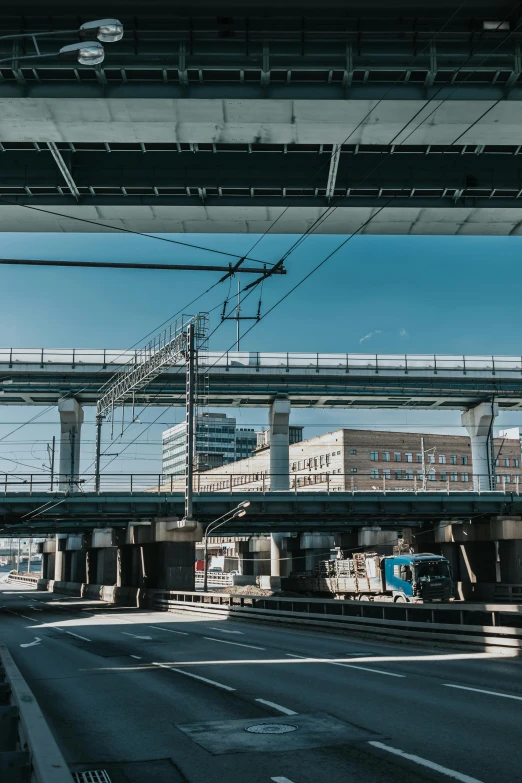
[[208, 118], [255, 379]]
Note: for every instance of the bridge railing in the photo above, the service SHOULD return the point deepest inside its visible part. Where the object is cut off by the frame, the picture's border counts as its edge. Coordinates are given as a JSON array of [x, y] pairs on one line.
[[320, 480], [103, 357]]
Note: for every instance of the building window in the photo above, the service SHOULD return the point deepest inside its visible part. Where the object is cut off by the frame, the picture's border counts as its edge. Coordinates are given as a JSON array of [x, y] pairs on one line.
[[432, 476], [419, 457], [294, 466], [453, 459], [398, 475], [409, 456], [443, 476], [464, 477], [299, 466], [338, 452], [516, 462], [375, 473], [465, 460], [352, 470], [386, 473], [505, 462], [386, 456], [353, 451], [442, 459], [431, 459], [397, 456], [507, 478], [321, 461], [409, 475], [327, 459], [497, 462], [454, 476], [374, 456]]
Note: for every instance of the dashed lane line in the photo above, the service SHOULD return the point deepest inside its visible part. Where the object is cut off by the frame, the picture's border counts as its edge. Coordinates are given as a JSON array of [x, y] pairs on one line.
[[480, 690], [236, 644], [450, 773], [281, 780], [223, 630], [284, 710], [78, 636], [194, 676]]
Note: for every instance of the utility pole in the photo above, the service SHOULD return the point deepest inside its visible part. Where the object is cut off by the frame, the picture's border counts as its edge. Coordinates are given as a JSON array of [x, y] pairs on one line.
[[99, 420], [238, 312], [29, 558], [424, 471], [18, 558], [189, 429], [51, 456]]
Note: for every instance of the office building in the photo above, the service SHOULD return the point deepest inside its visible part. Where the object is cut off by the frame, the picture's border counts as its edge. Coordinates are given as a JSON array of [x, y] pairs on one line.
[[218, 442]]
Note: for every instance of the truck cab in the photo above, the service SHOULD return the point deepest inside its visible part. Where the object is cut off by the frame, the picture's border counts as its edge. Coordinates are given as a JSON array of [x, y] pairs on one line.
[[416, 578]]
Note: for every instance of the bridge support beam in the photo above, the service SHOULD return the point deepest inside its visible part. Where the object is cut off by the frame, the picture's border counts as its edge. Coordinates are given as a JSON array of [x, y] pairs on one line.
[[479, 423], [71, 420], [315, 547]]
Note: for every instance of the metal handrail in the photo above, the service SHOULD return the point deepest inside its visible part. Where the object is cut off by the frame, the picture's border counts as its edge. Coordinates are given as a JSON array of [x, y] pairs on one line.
[[314, 480], [408, 363]]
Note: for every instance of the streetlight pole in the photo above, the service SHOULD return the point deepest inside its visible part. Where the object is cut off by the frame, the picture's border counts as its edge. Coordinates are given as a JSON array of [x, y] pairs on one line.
[[239, 511]]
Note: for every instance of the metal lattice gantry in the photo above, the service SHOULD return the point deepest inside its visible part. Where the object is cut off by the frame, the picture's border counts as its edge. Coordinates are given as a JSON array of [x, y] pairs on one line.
[[165, 350]]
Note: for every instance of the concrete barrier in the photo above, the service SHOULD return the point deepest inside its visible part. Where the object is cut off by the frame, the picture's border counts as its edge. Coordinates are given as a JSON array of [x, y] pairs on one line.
[[34, 754], [479, 626]]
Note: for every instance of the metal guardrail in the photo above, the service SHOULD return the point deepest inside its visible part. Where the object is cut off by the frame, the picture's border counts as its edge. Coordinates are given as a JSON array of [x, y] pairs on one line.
[[259, 481], [215, 579], [406, 363], [475, 625], [32, 580], [28, 750]]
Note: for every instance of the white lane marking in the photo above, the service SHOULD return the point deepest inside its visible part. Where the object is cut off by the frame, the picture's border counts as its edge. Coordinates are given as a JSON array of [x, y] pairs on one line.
[[169, 630], [35, 609], [29, 618], [450, 773], [366, 669], [195, 676], [78, 636], [211, 628], [281, 780], [479, 690], [59, 629], [347, 665], [236, 644], [138, 657], [284, 710], [32, 644], [136, 636]]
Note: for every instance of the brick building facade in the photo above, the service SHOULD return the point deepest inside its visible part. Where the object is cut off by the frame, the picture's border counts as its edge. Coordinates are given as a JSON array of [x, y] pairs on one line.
[[366, 459]]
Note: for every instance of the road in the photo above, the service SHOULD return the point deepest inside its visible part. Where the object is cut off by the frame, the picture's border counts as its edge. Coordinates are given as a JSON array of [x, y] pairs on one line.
[[165, 697]]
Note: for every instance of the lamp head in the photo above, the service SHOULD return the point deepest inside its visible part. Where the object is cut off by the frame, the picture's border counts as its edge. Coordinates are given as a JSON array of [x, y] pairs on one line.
[[241, 513], [106, 30], [244, 504], [87, 52]]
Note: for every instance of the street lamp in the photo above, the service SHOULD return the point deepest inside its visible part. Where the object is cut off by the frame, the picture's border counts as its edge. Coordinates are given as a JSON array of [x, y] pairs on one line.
[[87, 52], [239, 511]]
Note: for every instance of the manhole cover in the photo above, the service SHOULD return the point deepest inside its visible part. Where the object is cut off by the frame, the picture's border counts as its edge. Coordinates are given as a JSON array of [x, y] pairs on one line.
[[271, 728]]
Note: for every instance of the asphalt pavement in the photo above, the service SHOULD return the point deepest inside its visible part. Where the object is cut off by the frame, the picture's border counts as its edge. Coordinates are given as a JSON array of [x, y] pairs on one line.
[[154, 696]]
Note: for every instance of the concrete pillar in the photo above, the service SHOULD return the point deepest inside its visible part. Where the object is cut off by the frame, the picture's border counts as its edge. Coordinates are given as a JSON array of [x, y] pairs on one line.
[[71, 419], [276, 553], [124, 570], [106, 565], [78, 566], [278, 419], [91, 566], [479, 423], [316, 547], [175, 566], [59, 558]]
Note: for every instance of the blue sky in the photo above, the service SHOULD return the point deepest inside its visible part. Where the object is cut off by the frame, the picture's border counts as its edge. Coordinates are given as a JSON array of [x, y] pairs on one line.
[[410, 294]]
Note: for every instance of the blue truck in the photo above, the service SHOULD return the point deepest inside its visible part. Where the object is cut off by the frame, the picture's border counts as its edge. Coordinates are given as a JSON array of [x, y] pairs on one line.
[[368, 576]]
